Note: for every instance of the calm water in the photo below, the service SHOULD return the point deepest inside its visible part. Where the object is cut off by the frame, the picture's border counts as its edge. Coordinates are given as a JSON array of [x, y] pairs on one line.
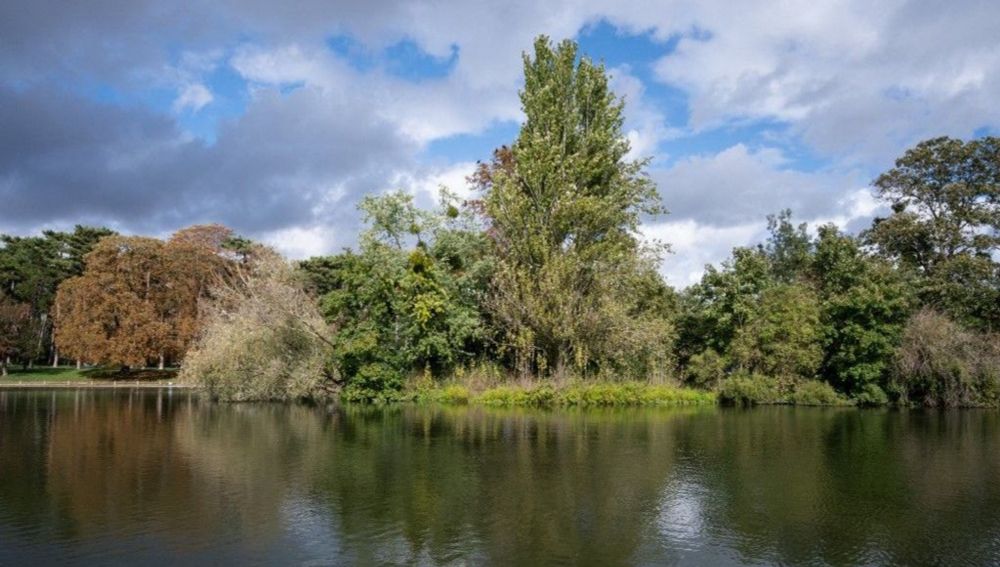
[[152, 477]]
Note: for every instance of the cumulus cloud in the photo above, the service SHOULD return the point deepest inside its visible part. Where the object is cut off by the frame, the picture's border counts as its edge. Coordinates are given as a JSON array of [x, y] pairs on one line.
[[645, 124], [851, 81], [695, 245], [720, 201], [740, 185], [856, 79], [424, 111]]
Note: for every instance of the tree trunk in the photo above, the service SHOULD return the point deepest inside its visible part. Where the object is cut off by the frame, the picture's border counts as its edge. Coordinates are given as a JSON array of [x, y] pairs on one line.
[[55, 358], [78, 365], [3, 368], [161, 362], [31, 364], [41, 334]]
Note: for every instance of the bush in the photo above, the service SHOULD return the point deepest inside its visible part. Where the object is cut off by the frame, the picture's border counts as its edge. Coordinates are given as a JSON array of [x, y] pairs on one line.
[[455, 394], [871, 395], [939, 363], [817, 393], [262, 341], [432, 393], [749, 389], [707, 369], [375, 382], [621, 394]]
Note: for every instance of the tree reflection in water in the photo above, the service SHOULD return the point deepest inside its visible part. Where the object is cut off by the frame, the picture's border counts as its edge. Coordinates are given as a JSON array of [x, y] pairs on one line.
[[129, 476]]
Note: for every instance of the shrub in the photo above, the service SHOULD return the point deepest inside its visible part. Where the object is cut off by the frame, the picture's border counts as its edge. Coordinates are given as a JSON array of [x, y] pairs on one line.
[[939, 363], [263, 340], [515, 396], [431, 393], [455, 394], [621, 394], [375, 382], [707, 369], [749, 389], [817, 393], [871, 395]]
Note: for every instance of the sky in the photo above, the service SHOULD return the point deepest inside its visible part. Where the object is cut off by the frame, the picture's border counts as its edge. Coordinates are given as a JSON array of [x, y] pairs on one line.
[[275, 118]]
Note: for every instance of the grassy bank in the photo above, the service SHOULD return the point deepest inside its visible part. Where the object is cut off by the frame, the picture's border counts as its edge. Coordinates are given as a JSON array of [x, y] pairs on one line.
[[43, 375], [583, 395]]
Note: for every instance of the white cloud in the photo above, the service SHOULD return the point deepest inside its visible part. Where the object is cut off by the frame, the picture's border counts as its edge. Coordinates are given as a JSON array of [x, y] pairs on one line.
[[721, 201], [858, 80], [298, 243], [192, 98], [694, 245], [740, 185], [423, 111], [425, 184], [645, 124]]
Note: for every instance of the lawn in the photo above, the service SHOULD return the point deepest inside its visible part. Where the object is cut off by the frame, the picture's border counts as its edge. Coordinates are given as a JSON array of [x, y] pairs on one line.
[[71, 374]]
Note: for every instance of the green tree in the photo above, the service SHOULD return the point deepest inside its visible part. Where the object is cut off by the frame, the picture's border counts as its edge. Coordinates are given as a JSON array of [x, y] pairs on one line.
[[563, 207], [945, 224], [782, 338], [789, 247], [774, 308], [410, 300], [31, 269], [726, 298], [865, 304]]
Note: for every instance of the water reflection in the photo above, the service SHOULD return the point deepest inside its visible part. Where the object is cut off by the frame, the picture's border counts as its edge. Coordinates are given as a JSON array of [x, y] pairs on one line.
[[160, 477]]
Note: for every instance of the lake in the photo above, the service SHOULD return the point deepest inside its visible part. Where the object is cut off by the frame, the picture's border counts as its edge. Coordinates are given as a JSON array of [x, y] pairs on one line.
[[164, 477]]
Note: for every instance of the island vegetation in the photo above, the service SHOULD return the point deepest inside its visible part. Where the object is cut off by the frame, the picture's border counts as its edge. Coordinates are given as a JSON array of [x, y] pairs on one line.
[[541, 290]]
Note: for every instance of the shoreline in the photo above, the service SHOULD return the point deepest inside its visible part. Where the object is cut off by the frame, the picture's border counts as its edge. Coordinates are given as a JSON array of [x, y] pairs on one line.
[[103, 385]]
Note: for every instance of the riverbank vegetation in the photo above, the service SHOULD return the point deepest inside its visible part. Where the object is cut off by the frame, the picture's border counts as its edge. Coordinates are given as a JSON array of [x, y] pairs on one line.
[[544, 279]]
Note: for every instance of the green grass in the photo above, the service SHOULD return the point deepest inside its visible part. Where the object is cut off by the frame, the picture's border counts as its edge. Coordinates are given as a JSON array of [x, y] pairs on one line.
[[577, 394], [42, 375]]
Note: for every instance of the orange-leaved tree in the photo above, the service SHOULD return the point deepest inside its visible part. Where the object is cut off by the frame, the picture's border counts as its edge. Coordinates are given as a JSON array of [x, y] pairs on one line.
[[139, 299], [197, 259]]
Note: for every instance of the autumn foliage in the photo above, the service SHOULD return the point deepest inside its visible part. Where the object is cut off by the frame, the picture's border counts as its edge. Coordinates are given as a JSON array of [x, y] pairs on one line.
[[139, 299]]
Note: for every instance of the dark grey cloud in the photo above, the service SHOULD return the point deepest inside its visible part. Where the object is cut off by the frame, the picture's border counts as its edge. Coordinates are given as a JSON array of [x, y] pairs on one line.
[[100, 40], [297, 158], [63, 156]]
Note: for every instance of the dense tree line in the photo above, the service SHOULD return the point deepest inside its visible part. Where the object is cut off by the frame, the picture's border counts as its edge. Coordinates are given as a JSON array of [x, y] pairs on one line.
[[864, 315], [544, 276], [31, 270]]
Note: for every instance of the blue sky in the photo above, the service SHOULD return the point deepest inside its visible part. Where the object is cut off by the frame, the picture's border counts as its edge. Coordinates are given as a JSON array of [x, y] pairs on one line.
[[147, 117]]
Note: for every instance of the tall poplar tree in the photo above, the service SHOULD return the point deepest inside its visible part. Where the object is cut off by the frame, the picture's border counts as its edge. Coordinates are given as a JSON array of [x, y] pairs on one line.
[[564, 204]]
